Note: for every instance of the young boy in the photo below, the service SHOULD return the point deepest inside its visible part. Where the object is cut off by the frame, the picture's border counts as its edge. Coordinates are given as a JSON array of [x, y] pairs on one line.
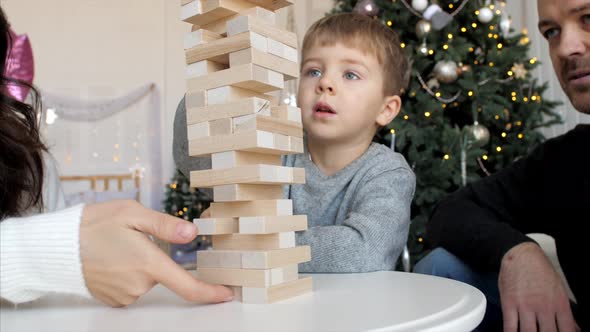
[[357, 193]]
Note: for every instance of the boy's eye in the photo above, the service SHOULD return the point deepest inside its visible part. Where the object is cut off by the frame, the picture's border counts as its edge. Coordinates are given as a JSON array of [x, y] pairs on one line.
[[314, 73], [586, 19], [351, 76], [550, 33]]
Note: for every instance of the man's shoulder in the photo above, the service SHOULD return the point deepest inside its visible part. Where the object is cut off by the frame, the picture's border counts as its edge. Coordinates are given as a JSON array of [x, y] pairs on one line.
[[569, 144]]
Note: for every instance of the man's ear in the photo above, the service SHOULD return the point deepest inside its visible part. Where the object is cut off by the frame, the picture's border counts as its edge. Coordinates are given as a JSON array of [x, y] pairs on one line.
[[391, 108]]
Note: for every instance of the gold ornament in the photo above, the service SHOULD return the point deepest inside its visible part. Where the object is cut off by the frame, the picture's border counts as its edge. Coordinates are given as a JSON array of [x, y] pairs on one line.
[[446, 71], [477, 135], [519, 71]]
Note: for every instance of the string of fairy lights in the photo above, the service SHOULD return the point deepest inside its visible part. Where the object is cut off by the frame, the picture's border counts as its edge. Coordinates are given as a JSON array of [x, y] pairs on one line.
[[448, 72]]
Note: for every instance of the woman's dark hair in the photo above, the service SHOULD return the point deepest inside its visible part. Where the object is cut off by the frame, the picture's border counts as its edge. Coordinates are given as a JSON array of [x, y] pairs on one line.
[[21, 148]]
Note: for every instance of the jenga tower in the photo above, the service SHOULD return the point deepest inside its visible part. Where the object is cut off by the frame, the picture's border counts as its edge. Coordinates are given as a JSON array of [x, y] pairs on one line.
[[235, 56]]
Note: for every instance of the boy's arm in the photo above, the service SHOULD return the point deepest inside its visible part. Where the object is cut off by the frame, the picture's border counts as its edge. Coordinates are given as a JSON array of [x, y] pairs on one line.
[[183, 162], [374, 233]]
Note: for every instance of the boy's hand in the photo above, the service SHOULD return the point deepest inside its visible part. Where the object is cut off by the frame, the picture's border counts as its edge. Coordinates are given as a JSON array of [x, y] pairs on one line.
[[120, 263]]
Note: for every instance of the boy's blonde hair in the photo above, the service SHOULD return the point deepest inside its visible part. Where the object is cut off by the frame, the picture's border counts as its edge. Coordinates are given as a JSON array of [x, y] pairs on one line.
[[367, 35]]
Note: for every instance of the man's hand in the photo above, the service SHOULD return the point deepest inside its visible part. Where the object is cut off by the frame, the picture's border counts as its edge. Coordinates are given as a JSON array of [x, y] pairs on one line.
[[120, 263], [532, 293]]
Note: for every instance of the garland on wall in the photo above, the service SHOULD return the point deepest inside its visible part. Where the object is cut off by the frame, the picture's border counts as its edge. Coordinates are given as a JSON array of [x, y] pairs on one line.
[[72, 109]]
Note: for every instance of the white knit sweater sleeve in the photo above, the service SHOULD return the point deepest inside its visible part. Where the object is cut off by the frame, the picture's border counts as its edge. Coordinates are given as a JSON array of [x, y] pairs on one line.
[[40, 254]]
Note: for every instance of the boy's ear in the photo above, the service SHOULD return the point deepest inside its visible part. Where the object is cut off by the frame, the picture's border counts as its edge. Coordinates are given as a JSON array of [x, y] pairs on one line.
[[391, 108]]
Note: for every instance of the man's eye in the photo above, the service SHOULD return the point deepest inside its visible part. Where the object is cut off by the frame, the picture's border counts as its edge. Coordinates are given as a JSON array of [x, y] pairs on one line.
[[314, 73], [351, 76], [586, 19], [550, 33]]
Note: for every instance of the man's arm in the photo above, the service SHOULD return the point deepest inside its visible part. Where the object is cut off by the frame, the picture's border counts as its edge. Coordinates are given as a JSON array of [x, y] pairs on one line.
[[482, 221]]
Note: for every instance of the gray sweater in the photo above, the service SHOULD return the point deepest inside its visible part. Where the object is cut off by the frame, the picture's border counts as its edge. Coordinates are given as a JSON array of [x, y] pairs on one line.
[[358, 218]]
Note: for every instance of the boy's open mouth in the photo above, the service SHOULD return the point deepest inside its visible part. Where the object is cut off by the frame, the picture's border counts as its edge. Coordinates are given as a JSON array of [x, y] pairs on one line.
[[322, 107]]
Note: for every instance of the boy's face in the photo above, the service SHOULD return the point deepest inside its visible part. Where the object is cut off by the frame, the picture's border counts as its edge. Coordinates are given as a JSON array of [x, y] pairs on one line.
[[341, 94]]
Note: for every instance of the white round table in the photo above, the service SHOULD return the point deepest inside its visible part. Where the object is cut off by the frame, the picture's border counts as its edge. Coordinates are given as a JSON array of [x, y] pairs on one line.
[[380, 301]]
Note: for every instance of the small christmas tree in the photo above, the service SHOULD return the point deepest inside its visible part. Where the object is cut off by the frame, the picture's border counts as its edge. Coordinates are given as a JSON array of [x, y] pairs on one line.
[[188, 203], [472, 107]]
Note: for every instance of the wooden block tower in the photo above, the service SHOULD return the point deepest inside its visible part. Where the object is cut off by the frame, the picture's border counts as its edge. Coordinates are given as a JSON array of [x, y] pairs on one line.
[[235, 56]]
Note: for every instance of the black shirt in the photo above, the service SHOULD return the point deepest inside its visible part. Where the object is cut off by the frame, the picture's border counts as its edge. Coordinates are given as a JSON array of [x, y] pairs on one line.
[[547, 192]]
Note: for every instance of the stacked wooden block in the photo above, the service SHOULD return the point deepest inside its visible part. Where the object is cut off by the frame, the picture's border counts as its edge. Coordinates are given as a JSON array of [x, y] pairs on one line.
[[236, 56]]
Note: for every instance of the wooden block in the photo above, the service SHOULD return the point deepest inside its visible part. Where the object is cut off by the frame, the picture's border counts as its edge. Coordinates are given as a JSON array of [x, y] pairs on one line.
[[275, 258], [251, 174], [229, 110], [189, 9], [195, 99], [272, 4], [286, 112], [221, 127], [245, 23], [229, 94], [202, 68], [281, 50], [220, 26], [248, 277], [251, 55], [218, 50], [208, 11], [198, 130], [255, 141], [276, 293], [278, 207], [257, 259], [266, 123], [210, 128], [262, 14], [232, 159], [246, 192], [254, 242], [268, 225], [199, 37], [215, 226], [249, 76], [219, 259], [296, 144]]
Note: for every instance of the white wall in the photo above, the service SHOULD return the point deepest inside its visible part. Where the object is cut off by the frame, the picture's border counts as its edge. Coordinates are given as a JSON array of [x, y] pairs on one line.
[[104, 48]]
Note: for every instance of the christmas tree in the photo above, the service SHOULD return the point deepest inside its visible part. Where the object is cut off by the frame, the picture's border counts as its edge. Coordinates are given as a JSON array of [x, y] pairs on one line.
[[188, 203], [472, 107]]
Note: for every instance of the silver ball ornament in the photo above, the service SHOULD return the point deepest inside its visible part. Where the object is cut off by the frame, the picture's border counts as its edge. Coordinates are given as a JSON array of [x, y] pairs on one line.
[[423, 28], [485, 15], [479, 135], [446, 71], [420, 5], [505, 24]]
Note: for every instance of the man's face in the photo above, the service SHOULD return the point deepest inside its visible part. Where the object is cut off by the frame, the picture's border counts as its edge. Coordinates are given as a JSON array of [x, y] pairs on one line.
[[566, 26]]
